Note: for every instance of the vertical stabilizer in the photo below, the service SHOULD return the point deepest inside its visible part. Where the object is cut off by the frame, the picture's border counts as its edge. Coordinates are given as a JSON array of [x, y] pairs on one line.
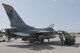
[[15, 20]]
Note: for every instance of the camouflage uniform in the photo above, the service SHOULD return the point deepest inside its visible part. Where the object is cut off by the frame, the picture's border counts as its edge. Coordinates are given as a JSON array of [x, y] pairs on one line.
[[61, 38]]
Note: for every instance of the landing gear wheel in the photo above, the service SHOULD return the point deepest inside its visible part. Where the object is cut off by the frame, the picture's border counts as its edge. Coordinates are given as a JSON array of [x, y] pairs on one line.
[[41, 40], [31, 41]]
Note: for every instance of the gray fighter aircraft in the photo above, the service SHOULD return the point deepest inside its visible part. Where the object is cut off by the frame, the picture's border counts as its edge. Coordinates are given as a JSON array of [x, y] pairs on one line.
[[24, 31]]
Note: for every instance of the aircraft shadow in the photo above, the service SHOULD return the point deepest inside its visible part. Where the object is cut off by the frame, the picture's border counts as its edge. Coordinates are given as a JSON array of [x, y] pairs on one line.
[[36, 47], [58, 43], [76, 45], [46, 45]]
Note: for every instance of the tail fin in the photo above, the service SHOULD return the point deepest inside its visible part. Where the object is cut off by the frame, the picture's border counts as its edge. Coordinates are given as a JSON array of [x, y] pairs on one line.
[[15, 20]]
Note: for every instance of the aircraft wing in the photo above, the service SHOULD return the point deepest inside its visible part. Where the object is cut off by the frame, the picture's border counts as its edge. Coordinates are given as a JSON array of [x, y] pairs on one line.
[[21, 34]]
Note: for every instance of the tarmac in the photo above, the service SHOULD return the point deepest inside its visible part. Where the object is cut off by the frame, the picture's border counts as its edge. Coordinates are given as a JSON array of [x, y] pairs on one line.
[[54, 46]]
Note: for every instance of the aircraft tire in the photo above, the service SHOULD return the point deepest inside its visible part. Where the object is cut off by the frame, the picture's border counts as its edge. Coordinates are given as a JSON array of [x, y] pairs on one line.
[[41, 40]]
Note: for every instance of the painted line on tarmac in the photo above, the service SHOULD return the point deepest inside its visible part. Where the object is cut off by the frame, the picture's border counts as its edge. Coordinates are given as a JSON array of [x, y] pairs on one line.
[[43, 51]]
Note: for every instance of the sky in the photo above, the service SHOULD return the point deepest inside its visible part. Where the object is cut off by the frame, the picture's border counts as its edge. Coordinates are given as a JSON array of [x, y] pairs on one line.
[[64, 14]]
